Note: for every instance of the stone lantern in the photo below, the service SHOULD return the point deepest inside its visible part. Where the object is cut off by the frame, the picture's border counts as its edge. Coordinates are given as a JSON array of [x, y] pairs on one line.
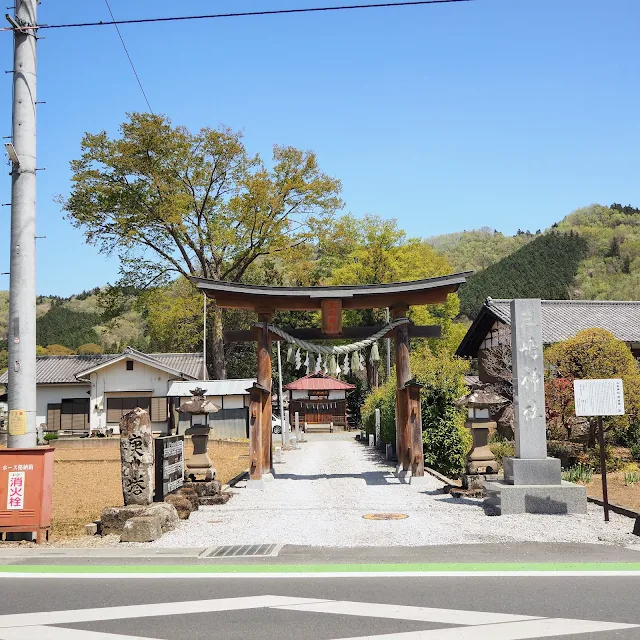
[[199, 465], [481, 464]]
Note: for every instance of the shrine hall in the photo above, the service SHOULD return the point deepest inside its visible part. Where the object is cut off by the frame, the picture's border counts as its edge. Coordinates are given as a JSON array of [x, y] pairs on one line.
[[320, 402], [398, 297]]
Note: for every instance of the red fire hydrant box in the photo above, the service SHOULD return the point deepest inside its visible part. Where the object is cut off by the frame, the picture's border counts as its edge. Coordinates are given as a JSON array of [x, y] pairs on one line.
[[26, 490]]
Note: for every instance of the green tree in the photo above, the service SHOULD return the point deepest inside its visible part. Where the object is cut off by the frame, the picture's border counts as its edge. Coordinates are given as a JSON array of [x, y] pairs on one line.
[[90, 349], [172, 202], [57, 350], [593, 354]]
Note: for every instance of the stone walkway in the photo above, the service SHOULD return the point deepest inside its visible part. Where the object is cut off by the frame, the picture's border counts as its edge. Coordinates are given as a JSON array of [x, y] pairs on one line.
[[322, 491]]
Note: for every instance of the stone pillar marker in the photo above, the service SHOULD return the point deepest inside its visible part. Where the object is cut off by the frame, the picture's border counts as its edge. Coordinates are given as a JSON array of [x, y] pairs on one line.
[[136, 456], [532, 481], [528, 379]]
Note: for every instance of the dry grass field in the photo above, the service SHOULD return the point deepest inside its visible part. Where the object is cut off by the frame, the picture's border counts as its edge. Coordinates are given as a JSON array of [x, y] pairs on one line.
[[87, 479]]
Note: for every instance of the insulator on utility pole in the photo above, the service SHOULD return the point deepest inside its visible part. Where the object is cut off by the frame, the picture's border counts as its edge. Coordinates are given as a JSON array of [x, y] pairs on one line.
[[22, 280]]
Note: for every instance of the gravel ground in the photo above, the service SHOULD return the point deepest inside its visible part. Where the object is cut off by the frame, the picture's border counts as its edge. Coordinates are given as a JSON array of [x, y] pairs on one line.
[[322, 491]]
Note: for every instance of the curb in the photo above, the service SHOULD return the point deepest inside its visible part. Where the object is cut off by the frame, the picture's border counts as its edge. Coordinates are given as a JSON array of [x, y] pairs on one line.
[[616, 508], [440, 477], [241, 476]]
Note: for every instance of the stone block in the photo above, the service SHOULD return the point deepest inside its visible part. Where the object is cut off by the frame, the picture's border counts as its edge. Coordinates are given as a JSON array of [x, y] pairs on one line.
[[113, 518], [389, 452], [546, 471], [165, 512], [141, 529], [91, 529], [223, 498], [508, 499], [136, 457], [181, 504], [210, 488]]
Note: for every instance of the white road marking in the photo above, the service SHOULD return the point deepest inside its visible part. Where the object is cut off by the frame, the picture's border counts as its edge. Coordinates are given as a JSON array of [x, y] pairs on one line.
[[546, 628], [60, 633], [481, 625], [328, 574], [402, 612], [147, 610]]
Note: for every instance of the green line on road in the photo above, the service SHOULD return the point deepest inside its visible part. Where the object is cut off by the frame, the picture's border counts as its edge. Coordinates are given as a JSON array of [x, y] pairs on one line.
[[323, 568]]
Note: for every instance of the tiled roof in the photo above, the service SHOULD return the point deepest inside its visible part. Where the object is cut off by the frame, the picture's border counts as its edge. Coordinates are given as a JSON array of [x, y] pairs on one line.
[[318, 382], [562, 319], [63, 369]]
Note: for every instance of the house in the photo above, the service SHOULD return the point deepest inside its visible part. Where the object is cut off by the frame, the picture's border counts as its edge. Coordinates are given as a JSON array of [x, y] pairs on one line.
[[561, 319], [79, 394], [232, 396], [319, 400]]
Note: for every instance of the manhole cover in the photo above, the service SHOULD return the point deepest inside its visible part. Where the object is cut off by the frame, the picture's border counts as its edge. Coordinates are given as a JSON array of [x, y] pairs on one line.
[[385, 516]]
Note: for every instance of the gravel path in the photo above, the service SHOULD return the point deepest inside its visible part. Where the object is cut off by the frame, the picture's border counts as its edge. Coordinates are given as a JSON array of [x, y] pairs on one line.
[[322, 491]]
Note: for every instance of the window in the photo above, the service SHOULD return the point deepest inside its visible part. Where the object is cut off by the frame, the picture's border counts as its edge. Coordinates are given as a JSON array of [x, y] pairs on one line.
[[159, 409], [129, 365], [117, 407], [71, 414]]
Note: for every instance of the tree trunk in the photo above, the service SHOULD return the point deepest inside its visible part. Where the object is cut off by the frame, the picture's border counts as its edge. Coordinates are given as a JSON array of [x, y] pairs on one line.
[[216, 362]]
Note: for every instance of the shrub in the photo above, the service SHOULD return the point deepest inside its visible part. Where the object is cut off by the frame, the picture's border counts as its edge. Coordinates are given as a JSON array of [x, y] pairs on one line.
[[592, 458], [446, 440], [50, 436], [634, 450], [579, 473], [631, 477], [502, 448]]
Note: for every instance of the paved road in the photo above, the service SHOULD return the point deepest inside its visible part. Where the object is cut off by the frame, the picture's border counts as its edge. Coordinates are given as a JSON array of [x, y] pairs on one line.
[[281, 607]]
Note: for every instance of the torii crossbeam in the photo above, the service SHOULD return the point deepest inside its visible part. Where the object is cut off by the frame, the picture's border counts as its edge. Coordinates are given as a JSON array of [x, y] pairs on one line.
[[397, 296]]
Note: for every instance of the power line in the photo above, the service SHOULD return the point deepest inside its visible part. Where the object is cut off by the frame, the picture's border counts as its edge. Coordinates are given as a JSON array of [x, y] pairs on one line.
[[273, 12], [115, 24]]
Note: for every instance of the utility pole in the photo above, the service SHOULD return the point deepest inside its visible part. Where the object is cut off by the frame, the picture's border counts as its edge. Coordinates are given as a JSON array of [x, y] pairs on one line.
[[22, 284]]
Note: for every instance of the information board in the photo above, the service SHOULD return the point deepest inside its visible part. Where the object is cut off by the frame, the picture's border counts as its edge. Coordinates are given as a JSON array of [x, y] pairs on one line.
[[599, 397], [169, 465], [17, 422]]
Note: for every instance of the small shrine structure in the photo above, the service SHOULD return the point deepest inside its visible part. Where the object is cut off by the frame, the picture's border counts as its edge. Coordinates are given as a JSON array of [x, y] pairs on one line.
[[331, 301], [319, 400]]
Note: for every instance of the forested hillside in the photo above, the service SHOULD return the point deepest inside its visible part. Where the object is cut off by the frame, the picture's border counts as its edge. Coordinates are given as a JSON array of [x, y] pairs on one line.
[[544, 268], [478, 249]]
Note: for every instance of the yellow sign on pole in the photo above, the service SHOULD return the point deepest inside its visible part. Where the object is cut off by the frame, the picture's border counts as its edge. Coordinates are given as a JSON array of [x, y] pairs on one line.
[[17, 422]]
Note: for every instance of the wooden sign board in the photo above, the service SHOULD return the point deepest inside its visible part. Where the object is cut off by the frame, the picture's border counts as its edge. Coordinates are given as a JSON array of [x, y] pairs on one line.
[[599, 397], [331, 316]]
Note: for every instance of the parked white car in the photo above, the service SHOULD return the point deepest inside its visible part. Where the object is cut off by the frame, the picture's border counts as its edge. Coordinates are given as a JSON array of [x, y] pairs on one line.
[[276, 424]]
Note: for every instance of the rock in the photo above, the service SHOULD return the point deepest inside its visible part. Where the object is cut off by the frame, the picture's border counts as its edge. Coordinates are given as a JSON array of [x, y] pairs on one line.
[[141, 529], [91, 529], [136, 457], [113, 518], [167, 514], [223, 498], [210, 488], [191, 495], [182, 505]]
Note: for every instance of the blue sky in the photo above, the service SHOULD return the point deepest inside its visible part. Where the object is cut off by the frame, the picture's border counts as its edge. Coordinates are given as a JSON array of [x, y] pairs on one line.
[[505, 113]]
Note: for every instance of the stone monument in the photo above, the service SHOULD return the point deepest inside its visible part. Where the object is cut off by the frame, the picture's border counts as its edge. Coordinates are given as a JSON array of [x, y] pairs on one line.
[[532, 481], [136, 455]]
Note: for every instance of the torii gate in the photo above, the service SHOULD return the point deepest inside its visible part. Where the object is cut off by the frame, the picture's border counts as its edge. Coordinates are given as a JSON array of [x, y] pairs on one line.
[[398, 297]]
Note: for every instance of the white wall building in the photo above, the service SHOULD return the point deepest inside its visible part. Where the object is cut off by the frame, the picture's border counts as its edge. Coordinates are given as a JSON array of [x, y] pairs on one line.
[[78, 394]]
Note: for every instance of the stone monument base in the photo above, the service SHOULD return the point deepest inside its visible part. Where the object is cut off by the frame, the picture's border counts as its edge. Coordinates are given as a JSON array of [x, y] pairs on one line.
[[561, 498], [541, 471]]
